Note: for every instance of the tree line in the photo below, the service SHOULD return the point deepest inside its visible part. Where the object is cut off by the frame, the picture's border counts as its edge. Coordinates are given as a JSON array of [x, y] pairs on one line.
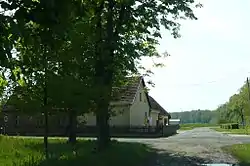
[[196, 116], [68, 54]]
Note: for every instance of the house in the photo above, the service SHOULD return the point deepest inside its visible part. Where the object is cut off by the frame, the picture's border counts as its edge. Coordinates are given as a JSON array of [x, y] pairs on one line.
[[132, 106]]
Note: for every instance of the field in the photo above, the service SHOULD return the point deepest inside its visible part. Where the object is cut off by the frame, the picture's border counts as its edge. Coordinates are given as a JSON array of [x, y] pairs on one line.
[[27, 151], [241, 152], [191, 126], [245, 131]]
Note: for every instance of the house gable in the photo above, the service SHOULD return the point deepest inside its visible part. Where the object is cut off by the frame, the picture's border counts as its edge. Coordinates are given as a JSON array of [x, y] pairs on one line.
[[155, 106], [140, 106]]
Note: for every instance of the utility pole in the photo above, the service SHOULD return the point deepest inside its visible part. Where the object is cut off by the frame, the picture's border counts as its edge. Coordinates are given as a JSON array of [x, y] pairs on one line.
[[248, 90]]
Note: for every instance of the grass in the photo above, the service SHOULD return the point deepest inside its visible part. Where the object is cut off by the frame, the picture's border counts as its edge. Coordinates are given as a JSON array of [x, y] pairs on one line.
[[191, 126], [245, 131], [240, 152], [29, 152]]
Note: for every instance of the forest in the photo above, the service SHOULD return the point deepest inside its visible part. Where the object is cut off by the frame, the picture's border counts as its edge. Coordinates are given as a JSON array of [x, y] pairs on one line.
[[196, 116]]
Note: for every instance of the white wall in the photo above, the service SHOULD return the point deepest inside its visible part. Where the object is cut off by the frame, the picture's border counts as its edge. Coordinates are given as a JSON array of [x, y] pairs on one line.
[[121, 117], [139, 108], [90, 119], [154, 115]]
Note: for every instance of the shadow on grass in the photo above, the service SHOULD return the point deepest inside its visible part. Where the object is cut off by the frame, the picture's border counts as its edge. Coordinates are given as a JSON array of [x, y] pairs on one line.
[[119, 154]]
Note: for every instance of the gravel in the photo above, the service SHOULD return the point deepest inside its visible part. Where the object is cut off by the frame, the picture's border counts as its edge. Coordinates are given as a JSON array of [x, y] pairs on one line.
[[193, 147]]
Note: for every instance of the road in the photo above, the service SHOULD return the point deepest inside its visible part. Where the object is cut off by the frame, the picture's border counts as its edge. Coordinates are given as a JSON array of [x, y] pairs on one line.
[[194, 147]]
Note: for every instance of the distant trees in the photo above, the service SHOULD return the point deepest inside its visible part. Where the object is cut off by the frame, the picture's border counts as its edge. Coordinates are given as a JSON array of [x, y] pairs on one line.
[[196, 116]]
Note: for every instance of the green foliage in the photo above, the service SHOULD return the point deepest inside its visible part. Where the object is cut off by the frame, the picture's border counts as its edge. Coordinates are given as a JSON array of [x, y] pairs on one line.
[[244, 131], [230, 126], [240, 152], [196, 116], [237, 109]]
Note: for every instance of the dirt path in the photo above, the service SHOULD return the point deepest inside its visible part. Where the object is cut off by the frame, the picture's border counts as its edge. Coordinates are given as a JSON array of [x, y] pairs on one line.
[[194, 147]]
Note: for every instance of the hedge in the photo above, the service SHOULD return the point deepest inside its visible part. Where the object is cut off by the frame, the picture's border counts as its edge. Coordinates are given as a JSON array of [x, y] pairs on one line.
[[230, 126]]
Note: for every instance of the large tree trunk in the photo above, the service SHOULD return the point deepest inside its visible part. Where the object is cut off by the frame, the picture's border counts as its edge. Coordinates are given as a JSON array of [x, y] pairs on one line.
[[102, 117], [242, 118], [103, 83], [72, 126], [45, 105], [104, 71]]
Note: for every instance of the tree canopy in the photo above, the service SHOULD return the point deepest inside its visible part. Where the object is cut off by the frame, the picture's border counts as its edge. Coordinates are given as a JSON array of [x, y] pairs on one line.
[[237, 109]]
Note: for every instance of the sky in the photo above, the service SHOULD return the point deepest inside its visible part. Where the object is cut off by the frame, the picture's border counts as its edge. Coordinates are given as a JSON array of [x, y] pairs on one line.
[[211, 60]]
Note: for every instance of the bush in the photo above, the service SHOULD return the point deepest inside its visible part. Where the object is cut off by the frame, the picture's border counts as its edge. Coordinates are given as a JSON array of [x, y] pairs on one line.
[[230, 126]]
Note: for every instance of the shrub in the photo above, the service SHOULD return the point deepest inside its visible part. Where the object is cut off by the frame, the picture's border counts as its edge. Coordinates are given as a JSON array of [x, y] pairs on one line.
[[230, 126]]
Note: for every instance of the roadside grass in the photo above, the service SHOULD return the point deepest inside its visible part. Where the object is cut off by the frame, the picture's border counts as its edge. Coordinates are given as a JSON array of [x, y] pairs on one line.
[[243, 131], [191, 126], [240, 152], [29, 152]]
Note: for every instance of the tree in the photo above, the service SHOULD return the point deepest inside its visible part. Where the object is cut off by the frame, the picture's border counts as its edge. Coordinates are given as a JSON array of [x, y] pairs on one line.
[[237, 108], [41, 28], [126, 31]]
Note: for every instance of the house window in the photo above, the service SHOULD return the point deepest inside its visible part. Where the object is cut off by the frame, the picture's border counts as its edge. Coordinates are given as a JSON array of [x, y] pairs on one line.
[[17, 120], [140, 96], [40, 122], [62, 121]]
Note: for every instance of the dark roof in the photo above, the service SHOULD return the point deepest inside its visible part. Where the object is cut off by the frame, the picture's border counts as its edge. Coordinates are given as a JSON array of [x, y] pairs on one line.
[[127, 92], [155, 105]]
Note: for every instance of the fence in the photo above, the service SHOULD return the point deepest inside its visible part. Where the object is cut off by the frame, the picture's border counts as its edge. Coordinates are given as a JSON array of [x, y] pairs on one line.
[[91, 131]]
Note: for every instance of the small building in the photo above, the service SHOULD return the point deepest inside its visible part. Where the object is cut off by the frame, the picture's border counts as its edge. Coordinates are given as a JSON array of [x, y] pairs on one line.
[[174, 121], [133, 107]]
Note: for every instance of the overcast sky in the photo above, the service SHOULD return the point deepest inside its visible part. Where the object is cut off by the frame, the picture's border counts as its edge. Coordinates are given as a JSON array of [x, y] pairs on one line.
[[211, 60]]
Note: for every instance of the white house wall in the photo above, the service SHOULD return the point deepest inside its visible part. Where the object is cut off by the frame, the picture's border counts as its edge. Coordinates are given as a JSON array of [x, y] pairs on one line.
[[120, 119], [139, 108], [154, 115]]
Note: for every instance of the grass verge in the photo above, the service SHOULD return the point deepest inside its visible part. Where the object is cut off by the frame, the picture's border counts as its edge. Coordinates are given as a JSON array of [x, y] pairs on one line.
[[240, 152], [25, 151], [234, 131], [191, 126]]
